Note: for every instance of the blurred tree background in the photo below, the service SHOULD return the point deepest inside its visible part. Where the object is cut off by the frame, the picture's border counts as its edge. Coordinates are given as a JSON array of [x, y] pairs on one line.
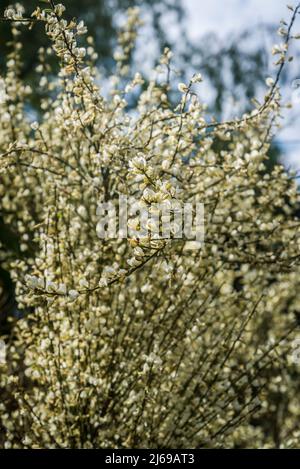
[[235, 69]]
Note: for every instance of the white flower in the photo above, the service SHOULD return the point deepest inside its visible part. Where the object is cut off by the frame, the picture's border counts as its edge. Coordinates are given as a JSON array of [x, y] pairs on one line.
[[2, 352], [182, 88], [282, 31], [279, 49], [73, 294], [138, 252], [9, 13], [43, 81], [35, 125], [62, 289], [133, 224], [59, 9], [133, 262], [153, 226], [45, 343], [34, 282], [3, 95], [197, 78], [82, 211], [51, 286], [166, 165], [270, 82], [149, 194], [103, 282], [118, 56], [138, 80], [153, 359], [128, 88], [109, 271], [81, 28], [83, 283], [138, 162], [81, 52]]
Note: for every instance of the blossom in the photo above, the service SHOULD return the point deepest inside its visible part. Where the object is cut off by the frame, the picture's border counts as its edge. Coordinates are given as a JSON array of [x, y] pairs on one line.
[[197, 78], [138, 162], [59, 9], [9, 13], [73, 294], [182, 88], [143, 340], [270, 82], [35, 125], [81, 28]]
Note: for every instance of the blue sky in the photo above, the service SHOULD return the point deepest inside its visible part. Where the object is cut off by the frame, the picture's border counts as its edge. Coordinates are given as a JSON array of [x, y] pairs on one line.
[[231, 15], [225, 16]]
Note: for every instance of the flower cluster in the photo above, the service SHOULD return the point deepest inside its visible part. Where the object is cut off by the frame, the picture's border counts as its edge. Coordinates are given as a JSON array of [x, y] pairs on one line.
[[139, 342]]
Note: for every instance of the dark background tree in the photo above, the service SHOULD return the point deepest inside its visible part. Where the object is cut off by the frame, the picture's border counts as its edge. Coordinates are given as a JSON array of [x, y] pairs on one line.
[[100, 17]]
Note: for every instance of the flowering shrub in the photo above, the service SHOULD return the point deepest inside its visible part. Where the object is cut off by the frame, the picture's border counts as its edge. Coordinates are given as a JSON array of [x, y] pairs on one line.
[[139, 342]]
